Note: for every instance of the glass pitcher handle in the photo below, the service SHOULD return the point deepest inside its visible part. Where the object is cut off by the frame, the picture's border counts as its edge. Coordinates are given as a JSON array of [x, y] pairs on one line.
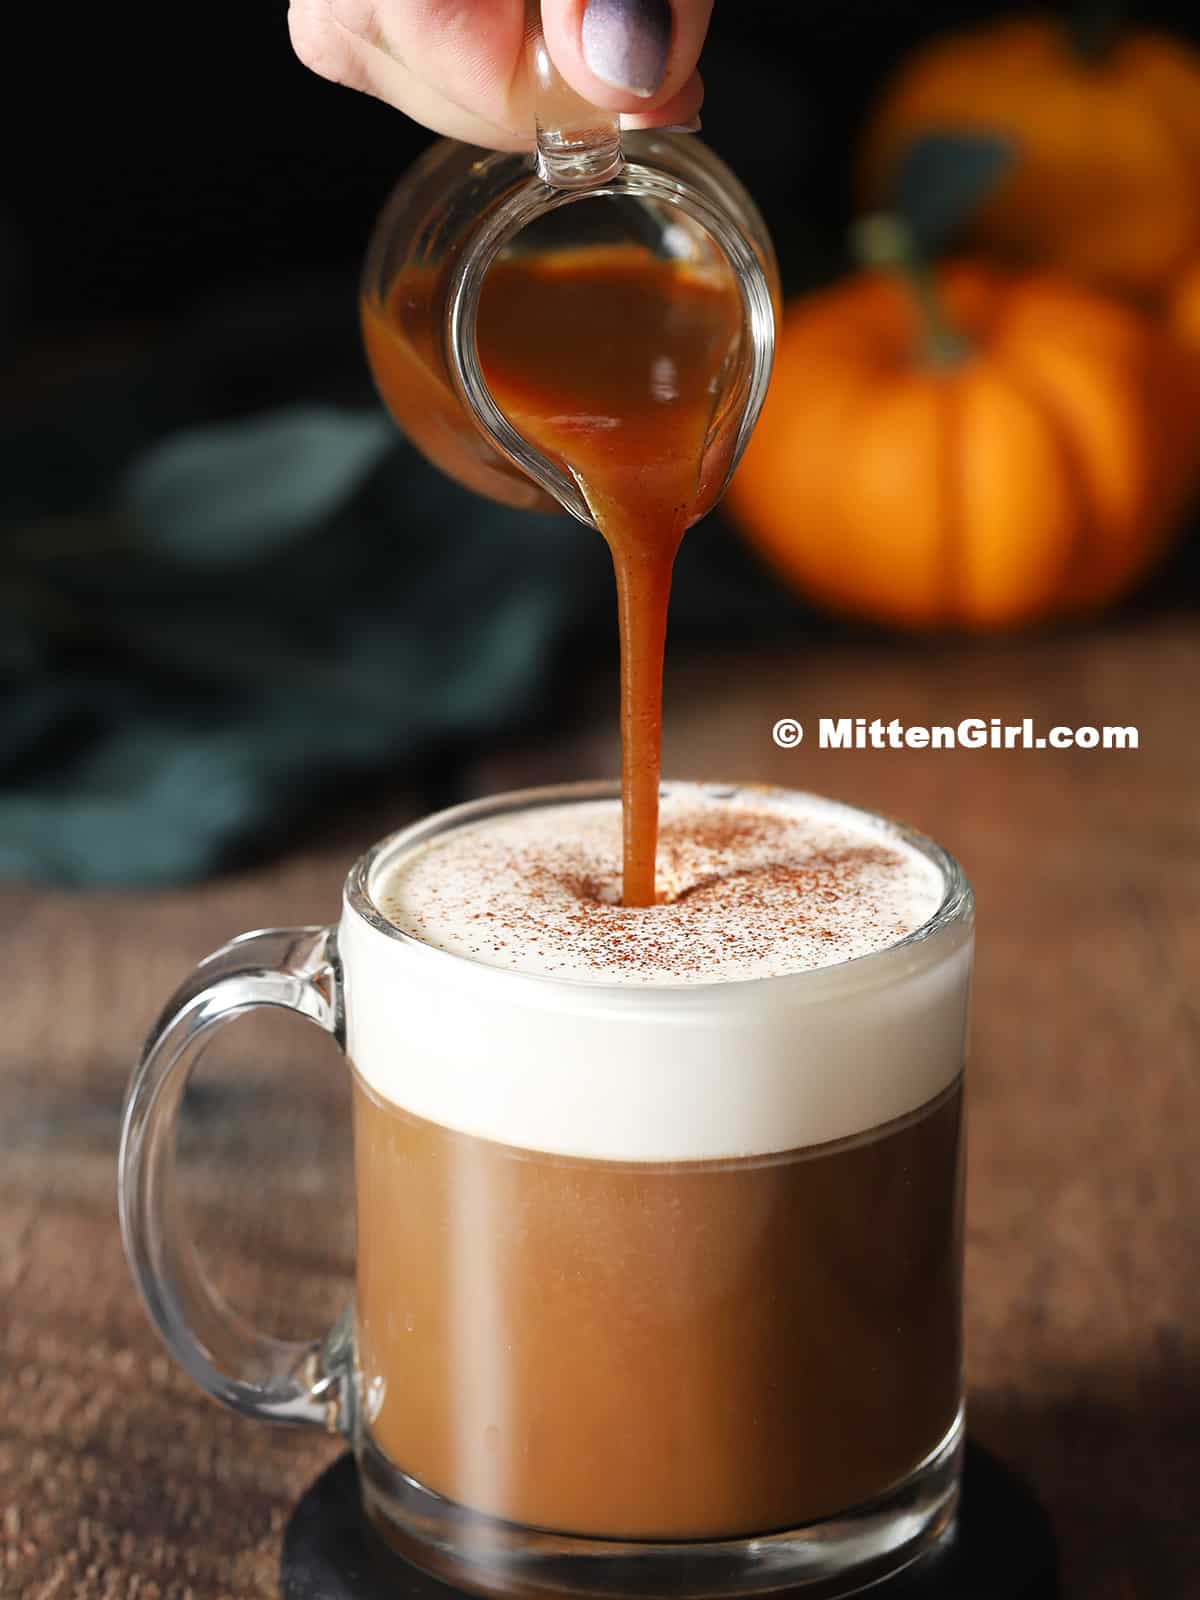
[[278, 1380], [577, 144]]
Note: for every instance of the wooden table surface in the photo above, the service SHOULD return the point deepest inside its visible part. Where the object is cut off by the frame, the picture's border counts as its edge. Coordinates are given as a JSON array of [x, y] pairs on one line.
[[117, 1479]]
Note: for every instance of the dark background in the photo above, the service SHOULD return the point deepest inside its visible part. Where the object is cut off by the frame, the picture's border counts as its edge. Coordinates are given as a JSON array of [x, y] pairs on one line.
[[168, 162], [183, 216]]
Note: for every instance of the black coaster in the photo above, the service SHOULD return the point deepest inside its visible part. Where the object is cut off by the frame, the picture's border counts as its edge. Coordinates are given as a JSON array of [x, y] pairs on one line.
[[1001, 1547]]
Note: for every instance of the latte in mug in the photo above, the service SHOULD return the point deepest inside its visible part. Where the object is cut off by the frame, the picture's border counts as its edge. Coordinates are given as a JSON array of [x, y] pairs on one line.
[[682, 1269]]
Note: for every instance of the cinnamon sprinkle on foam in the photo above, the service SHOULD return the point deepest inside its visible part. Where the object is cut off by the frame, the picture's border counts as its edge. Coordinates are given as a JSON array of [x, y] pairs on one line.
[[757, 885]]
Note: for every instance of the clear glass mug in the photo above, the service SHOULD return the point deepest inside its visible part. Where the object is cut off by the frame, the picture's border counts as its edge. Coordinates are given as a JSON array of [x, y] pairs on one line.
[[587, 182], [588, 1367]]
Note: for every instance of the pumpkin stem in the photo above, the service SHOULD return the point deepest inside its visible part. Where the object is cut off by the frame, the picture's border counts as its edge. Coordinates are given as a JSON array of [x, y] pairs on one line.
[[1094, 29], [886, 241]]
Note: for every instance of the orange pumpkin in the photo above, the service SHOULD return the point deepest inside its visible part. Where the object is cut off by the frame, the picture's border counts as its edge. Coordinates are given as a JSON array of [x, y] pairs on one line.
[[1106, 183], [1038, 475]]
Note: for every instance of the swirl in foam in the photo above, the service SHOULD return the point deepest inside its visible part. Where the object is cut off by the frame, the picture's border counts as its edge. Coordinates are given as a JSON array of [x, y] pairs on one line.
[[661, 1046]]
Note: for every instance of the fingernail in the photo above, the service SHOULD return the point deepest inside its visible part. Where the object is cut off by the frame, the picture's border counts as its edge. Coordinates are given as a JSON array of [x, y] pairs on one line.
[[680, 127], [626, 42]]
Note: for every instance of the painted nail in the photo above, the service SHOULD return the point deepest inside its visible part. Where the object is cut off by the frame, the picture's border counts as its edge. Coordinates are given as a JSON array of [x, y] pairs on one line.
[[626, 42], [680, 127]]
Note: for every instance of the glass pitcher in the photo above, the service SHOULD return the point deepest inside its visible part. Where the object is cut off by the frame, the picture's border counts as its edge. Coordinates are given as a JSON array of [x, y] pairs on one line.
[[585, 182]]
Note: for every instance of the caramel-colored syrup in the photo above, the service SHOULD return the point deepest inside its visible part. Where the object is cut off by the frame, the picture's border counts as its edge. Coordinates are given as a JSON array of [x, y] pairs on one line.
[[610, 360]]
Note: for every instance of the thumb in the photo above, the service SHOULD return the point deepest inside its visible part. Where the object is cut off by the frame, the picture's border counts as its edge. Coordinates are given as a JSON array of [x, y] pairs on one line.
[[634, 56]]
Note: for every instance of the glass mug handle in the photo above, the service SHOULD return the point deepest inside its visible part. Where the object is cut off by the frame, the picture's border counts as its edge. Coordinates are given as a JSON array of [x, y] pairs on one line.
[[278, 1380]]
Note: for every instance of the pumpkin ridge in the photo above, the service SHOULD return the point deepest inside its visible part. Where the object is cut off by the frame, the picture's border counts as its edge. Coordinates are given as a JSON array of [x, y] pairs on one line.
[[953, 498], [1071, 455], [1175, 137], [855, 471], [1168, 68], [817, 571], [1022, 514]]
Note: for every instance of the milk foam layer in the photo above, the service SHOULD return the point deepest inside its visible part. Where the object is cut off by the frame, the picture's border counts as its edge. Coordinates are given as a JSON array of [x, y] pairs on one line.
[[756, 887], [663, 1043]]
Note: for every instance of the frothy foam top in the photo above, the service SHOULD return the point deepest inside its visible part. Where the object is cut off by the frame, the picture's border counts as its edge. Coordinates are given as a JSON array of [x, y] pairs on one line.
[[754, 886], [656, 1051]]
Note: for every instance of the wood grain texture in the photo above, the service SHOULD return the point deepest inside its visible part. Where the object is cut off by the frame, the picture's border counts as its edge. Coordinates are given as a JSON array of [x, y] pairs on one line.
[[117, 1479]]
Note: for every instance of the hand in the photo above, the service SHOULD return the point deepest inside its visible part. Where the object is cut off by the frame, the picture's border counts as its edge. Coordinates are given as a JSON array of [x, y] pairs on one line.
[[459, 66]]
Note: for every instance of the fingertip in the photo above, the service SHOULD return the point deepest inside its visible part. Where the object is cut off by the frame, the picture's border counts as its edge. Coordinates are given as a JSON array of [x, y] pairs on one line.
[[632, 56], [681, 111], [562, 28]]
